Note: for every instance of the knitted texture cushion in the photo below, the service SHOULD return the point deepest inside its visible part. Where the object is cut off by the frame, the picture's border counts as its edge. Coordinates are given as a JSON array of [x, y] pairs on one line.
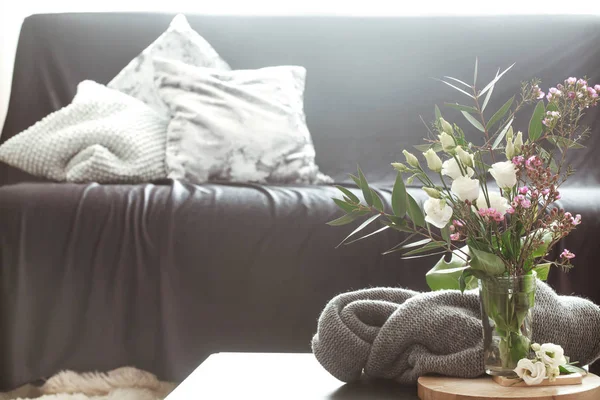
[[400, 334], [179, 43], [102, 136]]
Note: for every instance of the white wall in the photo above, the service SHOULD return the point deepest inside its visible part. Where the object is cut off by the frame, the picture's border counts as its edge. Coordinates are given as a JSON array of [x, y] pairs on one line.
[[12, 16]]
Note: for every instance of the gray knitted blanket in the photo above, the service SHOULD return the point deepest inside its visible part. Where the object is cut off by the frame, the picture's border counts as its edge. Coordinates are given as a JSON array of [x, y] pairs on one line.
[[401, 334]]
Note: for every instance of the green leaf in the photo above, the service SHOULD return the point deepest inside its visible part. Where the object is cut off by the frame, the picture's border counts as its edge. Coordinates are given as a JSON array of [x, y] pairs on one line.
[[446, 234], [364, 185], [446, 275], [377, 203], [569, 369], [489, 95], [475, 73], [398, 225], [437, 147], [414, 212], [500, 113], [343, 220], [437, 253], [489, 263], [493, 82], [360, 228], [546, 156], [416, 244], [551, 107], [356, 180], [438, 113], [348, 193], [399, 197], [473, 121], [347, 207], [535, 123], [454, 87], [428, 247], [370, 234], [543, 270], [502, 134], [459, 81], [460, 107]]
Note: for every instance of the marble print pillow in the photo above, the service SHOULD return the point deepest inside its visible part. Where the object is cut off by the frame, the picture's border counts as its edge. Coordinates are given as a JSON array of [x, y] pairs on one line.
[[239, 126], [179, 42]]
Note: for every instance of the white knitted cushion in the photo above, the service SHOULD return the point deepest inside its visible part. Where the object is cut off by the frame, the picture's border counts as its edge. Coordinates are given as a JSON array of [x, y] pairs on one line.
[[102, 136], [179, 42], [240, 126]]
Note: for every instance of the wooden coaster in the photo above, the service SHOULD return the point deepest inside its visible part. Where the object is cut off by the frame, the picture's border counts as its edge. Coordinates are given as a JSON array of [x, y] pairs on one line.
[[445, 388], [572, 379]]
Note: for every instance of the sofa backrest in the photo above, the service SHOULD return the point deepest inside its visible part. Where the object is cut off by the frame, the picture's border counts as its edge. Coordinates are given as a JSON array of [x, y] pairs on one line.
[[369, 79]]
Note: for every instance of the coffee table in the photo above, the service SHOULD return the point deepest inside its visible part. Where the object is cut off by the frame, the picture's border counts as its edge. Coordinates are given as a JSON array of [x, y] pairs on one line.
[[270, 376]]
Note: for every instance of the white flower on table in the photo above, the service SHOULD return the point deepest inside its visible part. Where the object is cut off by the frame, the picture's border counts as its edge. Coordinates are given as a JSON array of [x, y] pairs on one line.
[[497, 202], [532, 372], [437, 212], [465, 188], [552, 355], [505, 174], [451, 168]]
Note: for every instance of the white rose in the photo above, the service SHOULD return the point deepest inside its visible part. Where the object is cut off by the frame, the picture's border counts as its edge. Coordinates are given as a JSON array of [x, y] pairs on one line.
[[552, 355], [505, 174], [533, 373], [447, 141], [465, 188], [497, 202], [433, 161], [450, 168], [437, 212]]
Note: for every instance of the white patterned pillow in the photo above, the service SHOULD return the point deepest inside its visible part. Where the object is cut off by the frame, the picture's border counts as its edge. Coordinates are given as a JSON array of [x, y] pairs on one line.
[[102, 136], [179, 42], [241, 126]]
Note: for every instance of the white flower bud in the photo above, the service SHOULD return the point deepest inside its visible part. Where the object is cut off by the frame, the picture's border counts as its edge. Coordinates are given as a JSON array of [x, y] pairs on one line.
[[464, 157], [433, 193], [433, 161], [446, 126], [400, 167], [411, 159], [447, 141], [518, 143], [510, 150]]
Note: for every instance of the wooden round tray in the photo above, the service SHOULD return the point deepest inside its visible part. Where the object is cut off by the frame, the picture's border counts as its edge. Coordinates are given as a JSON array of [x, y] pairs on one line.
[[444, 388]]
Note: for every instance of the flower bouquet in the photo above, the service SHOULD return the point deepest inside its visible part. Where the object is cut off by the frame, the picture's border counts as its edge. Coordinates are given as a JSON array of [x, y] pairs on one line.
[[498, 231]]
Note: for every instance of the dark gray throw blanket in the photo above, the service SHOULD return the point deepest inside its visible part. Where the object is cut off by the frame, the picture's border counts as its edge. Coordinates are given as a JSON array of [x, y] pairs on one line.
[[401, 334]]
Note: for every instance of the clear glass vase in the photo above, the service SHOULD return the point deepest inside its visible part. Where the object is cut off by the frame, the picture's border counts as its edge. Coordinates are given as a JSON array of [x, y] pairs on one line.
[[506, 305]]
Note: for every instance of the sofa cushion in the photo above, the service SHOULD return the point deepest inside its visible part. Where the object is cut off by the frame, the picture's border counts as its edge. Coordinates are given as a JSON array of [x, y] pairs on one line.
[[239, 126], [179, 42]]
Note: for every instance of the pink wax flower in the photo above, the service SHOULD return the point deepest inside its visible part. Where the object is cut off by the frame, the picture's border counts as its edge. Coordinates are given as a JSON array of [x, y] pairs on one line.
[[520, 198], [524, 190], [510, 210], [549, 97], [553, 90], [546, 191], [567, 254], [534, 194], [514, 204], [597, 88], [560, 87], [568, 215], [582, 82], [577, 220], [483, 212], [557, 197], [526, 203], [451, 228], [571, 80], [518, 160], [571, 95], [458, 223], [455, 236], [498, 217]]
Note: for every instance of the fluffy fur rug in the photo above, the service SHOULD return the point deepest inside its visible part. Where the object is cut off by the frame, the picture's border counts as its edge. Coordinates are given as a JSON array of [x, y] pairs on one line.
[[125, 383]]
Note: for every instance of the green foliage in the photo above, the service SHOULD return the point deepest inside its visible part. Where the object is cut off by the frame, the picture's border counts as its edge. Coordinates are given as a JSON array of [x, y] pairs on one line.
[[364, 186], [447, 275], [535, 123], [415, 213], [502, 133], [473, 121], [500, 113], [488, 263], [399, 197]]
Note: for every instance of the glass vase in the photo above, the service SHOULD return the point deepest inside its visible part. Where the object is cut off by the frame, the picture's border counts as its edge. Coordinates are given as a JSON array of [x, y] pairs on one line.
[[506, 313]]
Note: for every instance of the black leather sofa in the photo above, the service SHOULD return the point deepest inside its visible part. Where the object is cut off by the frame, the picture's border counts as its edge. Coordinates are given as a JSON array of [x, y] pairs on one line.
[[160, 275]]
